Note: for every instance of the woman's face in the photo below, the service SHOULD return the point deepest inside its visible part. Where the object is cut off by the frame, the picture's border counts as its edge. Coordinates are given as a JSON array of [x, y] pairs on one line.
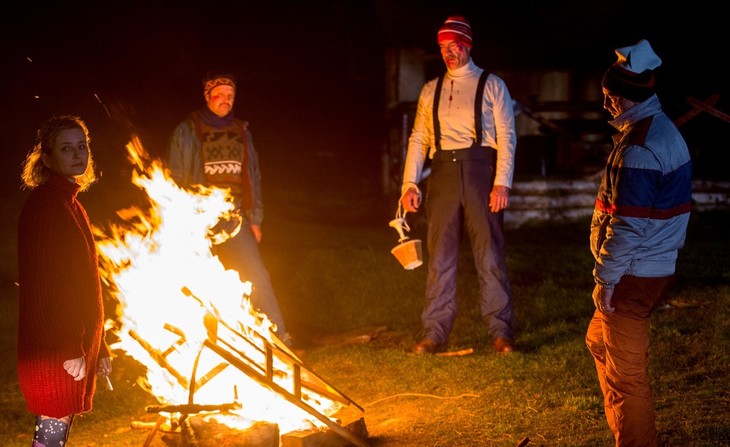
[[69, 155]]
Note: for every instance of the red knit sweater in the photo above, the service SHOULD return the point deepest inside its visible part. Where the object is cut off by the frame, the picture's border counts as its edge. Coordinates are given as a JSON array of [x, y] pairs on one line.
[[61, 313]]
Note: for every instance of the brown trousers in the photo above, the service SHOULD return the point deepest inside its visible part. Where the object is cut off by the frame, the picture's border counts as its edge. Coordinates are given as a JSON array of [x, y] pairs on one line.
[[619, 343]]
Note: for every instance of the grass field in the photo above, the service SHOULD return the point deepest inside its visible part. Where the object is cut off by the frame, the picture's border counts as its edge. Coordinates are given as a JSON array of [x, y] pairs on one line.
[[339, 276]]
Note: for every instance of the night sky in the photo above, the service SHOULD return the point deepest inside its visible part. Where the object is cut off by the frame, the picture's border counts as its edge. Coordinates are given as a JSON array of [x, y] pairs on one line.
[[311, 74]]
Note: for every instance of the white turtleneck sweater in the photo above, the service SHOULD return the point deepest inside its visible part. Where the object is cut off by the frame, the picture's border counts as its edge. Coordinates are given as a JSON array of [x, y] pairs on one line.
[[456, 113]]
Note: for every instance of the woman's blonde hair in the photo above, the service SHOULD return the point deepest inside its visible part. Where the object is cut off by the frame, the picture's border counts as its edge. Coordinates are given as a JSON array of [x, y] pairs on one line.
[[35, 172]]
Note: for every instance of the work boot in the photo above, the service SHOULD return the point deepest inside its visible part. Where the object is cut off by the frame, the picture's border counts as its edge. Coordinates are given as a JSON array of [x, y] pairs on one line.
[[427, 346], [503, 345]]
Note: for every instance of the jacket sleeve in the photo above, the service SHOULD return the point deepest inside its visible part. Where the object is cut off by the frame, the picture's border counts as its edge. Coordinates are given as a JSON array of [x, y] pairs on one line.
[[183, 155], [257, 211], [421, 137], [634, 184], [504, 126]]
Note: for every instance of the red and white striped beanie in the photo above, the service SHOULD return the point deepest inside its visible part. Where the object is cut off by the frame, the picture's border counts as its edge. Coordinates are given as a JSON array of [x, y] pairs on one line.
[[456, 28]]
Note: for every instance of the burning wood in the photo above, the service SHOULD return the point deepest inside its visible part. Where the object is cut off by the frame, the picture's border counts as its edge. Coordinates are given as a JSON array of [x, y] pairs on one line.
[[189, 320], [307, 384], [208, 433]]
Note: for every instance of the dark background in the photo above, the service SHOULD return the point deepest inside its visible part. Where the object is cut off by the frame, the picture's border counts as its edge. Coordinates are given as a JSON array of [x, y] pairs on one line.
[[311, 74]]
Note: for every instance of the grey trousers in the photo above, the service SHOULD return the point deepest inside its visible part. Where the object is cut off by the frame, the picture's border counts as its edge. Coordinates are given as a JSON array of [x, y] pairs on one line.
[[457, 198]]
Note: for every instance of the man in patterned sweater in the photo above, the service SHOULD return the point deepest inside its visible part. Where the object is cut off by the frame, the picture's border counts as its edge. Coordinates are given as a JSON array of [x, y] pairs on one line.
[[213, 148]]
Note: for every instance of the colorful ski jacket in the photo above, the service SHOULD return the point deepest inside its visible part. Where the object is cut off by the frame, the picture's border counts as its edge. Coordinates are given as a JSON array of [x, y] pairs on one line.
[[643, 205]]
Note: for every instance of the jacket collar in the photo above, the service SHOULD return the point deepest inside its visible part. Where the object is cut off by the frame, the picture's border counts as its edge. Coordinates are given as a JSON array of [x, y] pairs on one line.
[[650, 107]]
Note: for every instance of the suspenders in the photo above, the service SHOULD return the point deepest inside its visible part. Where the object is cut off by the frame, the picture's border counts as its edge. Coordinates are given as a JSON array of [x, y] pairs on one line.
[[435, 114], [478, 99]]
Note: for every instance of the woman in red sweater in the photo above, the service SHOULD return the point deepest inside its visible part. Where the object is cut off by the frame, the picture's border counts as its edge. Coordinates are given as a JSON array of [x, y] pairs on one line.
[[61, 346]]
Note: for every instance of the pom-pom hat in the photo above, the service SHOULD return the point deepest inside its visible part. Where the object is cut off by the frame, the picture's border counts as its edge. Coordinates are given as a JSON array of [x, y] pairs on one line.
[[632, 75], [456, 28]]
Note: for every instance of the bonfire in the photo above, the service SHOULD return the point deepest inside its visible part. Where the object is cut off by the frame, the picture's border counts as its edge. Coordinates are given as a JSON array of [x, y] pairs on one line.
[[189, 321]]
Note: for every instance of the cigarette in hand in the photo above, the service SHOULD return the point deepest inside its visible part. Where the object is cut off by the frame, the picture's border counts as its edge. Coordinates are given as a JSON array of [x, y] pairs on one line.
[[109, 385]]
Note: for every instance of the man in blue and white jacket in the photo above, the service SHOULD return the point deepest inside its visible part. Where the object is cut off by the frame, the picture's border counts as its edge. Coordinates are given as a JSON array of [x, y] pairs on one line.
[[638, 226]]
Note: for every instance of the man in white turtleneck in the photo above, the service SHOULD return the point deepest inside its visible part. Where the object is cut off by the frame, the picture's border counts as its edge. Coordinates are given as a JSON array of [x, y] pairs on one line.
[[465, 123]]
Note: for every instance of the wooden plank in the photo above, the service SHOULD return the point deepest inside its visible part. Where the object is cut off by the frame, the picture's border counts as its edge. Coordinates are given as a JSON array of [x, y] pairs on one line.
[[709, 109], [696, 111], [358, 336]]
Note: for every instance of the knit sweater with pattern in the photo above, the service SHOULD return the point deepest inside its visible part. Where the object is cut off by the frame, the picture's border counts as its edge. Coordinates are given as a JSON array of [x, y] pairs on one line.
[[61, 314]]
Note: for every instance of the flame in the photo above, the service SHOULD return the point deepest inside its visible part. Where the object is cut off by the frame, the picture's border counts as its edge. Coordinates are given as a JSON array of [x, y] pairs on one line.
[[175, 299]]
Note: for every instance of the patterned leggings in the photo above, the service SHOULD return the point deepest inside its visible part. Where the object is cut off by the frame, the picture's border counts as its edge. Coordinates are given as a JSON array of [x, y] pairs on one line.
[[51, 432]]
